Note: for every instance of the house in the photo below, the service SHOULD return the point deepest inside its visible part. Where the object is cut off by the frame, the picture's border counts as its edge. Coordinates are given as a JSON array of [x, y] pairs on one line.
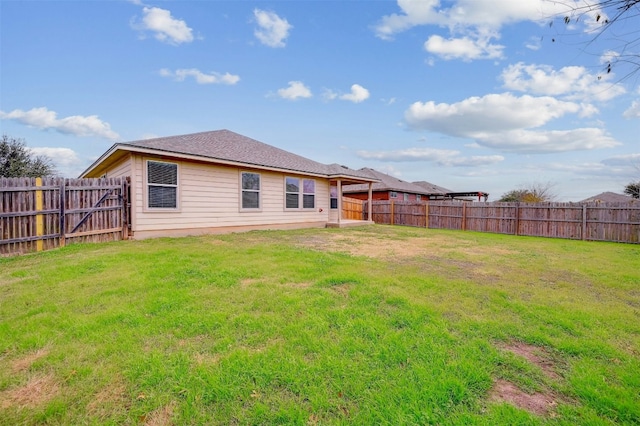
[[608, 197], [391, 188], [220, 181]]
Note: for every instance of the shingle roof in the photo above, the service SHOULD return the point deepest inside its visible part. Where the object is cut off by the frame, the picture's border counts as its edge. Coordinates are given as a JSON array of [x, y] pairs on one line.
[[432, 188], [608, 197], [229, 146], [390, 183]]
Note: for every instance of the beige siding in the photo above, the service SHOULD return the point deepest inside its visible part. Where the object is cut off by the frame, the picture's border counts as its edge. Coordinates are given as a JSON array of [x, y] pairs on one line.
[[209, 197], [121, 169]]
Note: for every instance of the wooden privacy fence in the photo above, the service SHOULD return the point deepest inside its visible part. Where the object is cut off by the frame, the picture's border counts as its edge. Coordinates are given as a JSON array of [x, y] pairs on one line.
[[43, 213], [618, 222], [351, 208]]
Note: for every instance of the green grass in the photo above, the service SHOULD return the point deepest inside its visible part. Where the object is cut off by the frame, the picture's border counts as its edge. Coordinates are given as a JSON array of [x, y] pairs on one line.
[[376, 325]]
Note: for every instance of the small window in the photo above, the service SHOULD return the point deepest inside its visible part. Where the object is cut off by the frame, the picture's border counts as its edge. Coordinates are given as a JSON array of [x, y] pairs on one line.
[[333, 194], [418, 197], [162, 185], [406, 197], [393, 194], [308, 193], [292, 193], [250, 190]]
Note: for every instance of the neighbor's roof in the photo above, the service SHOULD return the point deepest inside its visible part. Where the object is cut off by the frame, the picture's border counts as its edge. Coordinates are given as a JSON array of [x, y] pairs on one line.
[[432, 188], [608, 197], [229, 147], [390, 183]]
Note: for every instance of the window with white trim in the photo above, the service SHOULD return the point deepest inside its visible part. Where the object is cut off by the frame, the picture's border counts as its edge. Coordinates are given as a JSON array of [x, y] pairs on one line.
[[299, 192], [250, 191], [292, 192], [162, 185], [406, 197], [308, 194], [418, 197], [393, 194], [333, 195]]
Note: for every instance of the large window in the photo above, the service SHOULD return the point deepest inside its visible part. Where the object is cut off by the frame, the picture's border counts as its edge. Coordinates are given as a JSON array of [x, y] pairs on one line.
[[299, 192], [250, 190], [162, 185]]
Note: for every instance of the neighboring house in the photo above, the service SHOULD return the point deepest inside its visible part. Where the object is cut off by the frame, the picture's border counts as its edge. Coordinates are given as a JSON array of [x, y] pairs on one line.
[[387, 188], [221, 181], [608, 197], [392, 188]]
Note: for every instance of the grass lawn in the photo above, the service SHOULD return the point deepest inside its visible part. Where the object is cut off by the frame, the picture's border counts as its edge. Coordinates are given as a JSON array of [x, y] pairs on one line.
[[375, 325]]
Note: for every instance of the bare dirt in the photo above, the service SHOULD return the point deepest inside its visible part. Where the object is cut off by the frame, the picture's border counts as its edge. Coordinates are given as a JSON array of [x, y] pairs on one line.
[[39, 390], [541, 404]]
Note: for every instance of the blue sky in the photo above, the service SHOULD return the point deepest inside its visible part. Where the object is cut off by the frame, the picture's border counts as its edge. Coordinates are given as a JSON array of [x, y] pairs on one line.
[[467, 94]]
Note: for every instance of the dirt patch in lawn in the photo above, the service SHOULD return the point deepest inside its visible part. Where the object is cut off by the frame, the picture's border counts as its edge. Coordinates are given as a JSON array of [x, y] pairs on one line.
[[541, 404], [112, 397], [26, 361], [36, 392], [160, 417], [382, 247], [535, 355]]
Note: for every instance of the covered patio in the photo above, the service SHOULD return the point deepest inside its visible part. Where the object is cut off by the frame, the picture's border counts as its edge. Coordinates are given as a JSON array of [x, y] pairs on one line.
[[336, 215]]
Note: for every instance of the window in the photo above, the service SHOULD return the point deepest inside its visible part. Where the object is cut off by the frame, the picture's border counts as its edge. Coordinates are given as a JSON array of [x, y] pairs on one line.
[[406, 197], [393, 194], [162, 185], [296, 195], [250, 190], [334, 197], [418, 197], [292, 193], [308, 194]]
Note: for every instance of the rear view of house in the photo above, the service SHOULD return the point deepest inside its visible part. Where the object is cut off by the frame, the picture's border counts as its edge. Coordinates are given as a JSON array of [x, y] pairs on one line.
[[220, 181]]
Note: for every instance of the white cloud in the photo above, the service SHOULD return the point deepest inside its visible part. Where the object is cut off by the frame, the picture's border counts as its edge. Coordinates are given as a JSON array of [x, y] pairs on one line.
[[633, 111], [296, 90], [164, 26], [272, 30], [443, 157], [503, 121], [623, 160], [548, 141], [64, 157], [467, 13], [357, 94], [491, 113], [44, 119], [465, 48], [534, 43], [572, 82], [472, 24], [200, 77]]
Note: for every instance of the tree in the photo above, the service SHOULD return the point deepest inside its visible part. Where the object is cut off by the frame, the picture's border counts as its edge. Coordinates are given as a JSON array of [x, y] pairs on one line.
[[618, 18], [17, 161], [537, 192], [633, 189]]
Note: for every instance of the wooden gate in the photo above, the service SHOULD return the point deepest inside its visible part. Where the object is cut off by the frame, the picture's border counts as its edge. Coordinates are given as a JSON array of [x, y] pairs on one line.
[[43, 213]]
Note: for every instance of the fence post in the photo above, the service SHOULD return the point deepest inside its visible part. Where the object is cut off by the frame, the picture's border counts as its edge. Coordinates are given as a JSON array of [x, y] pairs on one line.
[[426, 215], [39, 217], [63, 197], [584, 222], [392, 213], [517, 231], [464, 215]]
